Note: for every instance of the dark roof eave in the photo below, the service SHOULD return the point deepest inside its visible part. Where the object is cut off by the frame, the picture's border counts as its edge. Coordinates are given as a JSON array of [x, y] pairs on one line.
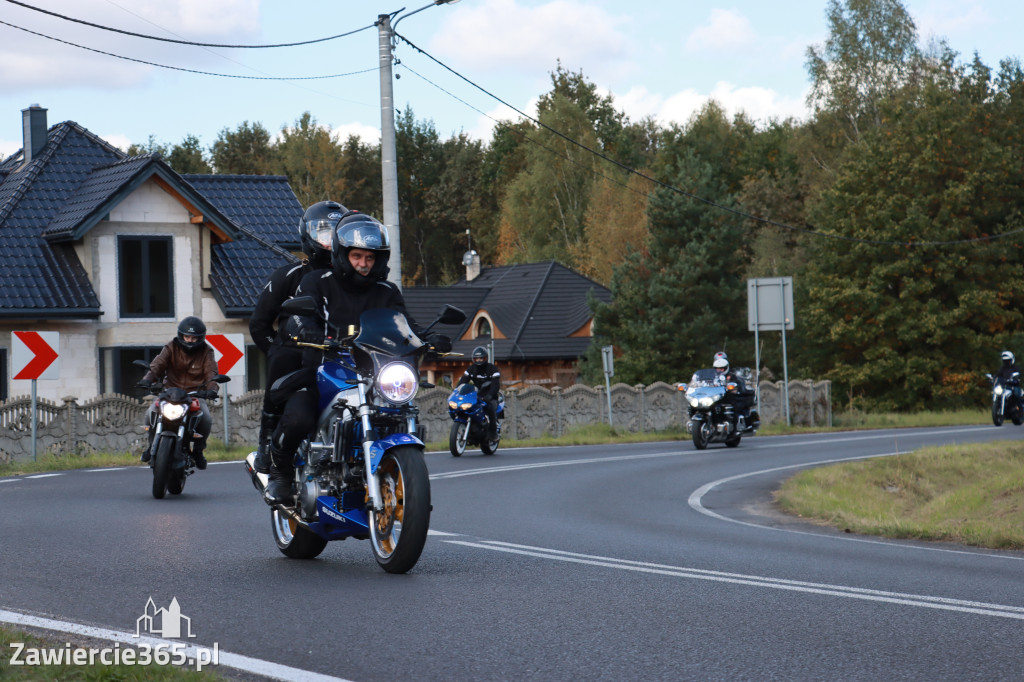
[[45, 313]]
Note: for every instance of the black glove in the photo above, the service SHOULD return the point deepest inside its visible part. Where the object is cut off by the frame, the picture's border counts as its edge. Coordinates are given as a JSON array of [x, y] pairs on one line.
[[303, 329], [440, 342]]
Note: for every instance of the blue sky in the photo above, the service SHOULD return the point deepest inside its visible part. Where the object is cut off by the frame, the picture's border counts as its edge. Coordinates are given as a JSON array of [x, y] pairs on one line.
[[661, 58]]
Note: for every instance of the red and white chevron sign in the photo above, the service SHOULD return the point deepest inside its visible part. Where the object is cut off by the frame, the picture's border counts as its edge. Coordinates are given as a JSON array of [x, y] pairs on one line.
[[34, 355], [228, 349]]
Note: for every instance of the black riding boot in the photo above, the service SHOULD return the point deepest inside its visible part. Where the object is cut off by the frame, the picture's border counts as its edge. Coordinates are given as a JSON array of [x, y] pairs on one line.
[[262, 461], [197, 453], [282, 476]]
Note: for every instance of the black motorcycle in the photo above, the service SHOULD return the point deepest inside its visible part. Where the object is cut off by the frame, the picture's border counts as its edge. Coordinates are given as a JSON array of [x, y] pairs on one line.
[[1006, 400], [712, 418], [172, 430]]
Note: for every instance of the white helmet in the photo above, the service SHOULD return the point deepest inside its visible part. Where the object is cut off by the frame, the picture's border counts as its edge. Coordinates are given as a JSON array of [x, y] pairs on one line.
[[721, 362], [1008, 357]]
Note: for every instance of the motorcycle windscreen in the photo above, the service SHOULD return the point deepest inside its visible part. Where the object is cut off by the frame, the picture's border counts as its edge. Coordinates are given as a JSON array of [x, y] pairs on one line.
[[386, 331]]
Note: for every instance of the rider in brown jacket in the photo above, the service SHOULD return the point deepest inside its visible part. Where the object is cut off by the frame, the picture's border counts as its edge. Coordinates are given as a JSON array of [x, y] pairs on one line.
[[187, 362]]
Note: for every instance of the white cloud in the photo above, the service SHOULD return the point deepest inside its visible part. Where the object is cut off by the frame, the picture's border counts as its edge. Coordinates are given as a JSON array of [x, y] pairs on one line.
[[725, 30], [368, 134], [7, 147], [501, 34], [45, 59], [760, 104]]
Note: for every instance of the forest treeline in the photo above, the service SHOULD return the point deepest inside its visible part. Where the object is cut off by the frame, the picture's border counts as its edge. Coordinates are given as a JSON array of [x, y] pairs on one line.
[[896, 207]]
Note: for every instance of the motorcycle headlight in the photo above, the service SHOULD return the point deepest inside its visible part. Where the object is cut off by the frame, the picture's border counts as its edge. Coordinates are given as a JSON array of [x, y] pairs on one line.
[[172, 411], [467, 406], [694, 402], [998, 390], [453, 405], [707, 401], [397, 383]]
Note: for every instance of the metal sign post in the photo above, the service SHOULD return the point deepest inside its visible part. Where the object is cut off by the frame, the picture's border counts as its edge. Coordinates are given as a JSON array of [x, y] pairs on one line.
[[770, 308], [608, 360]]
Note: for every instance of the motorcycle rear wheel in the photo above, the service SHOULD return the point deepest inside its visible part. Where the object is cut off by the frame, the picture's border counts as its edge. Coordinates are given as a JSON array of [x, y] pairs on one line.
[[457, 438], [399, 531], [163, 460], [294, 541], [997, 414]]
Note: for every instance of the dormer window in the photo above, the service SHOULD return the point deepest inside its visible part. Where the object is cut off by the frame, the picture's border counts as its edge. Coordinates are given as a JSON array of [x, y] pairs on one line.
[[483, 328]]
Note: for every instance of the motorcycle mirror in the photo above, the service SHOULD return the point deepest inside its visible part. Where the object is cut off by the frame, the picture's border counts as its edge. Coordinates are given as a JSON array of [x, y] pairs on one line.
[[141, 363], [451, 315], [300, 305], [222, 379]]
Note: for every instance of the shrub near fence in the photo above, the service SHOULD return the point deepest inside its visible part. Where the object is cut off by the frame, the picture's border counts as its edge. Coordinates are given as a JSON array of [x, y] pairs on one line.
[[113, 423]]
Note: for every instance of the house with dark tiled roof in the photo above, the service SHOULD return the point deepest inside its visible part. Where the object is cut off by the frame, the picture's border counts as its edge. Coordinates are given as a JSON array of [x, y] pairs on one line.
[[534, 319], [111, 250]]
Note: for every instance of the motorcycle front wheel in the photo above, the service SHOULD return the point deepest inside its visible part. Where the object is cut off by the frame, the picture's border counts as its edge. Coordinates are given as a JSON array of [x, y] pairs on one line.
[[457, 438], [163, 460], [700, 436], [399, 531], [489, 447], [294, 541], [176, 482], [997, 414]]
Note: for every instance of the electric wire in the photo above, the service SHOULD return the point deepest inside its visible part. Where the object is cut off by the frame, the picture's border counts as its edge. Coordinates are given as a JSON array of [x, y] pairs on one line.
[[182, 42], [180, 68], [809, 230]]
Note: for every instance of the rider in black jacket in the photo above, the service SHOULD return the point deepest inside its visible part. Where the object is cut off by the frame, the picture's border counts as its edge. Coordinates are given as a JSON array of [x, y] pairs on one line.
[[356, 282], [487, 379], [1007, 370], [316, 228], [742, 398]]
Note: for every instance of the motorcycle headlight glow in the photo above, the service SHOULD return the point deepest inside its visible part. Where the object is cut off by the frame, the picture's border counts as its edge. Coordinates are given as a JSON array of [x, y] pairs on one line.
[[172, 411], [452, 404], [998, 390], [694, 402], [467, 406], [397, 383], [707, 401]]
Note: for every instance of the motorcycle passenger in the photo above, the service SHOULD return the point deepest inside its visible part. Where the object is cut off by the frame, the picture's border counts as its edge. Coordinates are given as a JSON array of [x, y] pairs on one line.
[[1006, 371], [742, 399], [356, 282], [185, 362], [316, 228], [487, 379]]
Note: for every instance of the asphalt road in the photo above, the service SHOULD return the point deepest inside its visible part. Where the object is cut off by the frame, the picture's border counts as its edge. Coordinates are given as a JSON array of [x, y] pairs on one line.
[[651, 561]]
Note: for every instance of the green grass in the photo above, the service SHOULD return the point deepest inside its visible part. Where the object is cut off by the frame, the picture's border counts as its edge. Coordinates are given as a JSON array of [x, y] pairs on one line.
[[970, 494], [215, 452]]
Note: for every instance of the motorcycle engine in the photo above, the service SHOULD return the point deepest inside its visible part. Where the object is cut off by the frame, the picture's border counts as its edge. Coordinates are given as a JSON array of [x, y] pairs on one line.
[[311, 490]]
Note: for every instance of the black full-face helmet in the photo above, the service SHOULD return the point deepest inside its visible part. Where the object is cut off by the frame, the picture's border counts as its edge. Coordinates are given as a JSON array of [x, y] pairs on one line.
[[191, 326], [316, 229], [360, 231], [479, 355]]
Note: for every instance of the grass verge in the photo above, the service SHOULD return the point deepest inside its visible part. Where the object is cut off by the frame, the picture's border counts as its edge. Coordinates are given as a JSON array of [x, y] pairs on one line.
[[972, 494]]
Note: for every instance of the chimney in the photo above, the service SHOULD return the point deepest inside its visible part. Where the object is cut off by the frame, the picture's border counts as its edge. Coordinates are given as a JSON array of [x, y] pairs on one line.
[[471, 259], [33, 125]]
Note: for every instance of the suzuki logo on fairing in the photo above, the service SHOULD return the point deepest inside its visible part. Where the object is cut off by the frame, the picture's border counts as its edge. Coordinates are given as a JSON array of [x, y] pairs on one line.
[[333, 514]]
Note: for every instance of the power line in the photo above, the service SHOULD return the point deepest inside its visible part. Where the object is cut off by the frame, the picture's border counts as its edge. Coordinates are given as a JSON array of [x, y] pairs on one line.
[[179, 68], [182, 42], [809, 230]]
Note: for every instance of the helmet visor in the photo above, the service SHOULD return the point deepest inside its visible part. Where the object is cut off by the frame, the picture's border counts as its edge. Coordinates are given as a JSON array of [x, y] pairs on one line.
[[365, 235], [319, 232]]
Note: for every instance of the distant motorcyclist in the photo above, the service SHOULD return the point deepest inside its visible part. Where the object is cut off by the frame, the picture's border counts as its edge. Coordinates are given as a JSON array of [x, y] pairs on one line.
[[487, 379], [1006, 371], [316, 228], [742, 398], [185, 362]]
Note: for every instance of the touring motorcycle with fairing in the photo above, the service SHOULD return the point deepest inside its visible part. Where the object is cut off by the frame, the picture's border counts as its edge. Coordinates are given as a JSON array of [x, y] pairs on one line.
[[712, 417]]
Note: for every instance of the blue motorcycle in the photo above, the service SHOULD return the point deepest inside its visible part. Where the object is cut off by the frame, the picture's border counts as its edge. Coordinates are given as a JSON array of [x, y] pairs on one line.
[[470, 422], [361, 474]]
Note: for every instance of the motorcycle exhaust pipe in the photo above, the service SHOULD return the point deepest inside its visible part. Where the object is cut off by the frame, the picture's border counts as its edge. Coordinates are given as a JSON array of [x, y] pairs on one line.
[[259, 480]]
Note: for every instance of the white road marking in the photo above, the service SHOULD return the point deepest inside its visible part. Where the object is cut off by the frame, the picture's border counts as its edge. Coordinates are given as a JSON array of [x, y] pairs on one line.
[[43, 475], [923, 601], [237, 661], [560, 463]]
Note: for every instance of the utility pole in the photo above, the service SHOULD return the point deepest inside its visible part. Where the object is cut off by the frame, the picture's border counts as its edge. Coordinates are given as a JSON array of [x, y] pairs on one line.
[[388, 151]]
